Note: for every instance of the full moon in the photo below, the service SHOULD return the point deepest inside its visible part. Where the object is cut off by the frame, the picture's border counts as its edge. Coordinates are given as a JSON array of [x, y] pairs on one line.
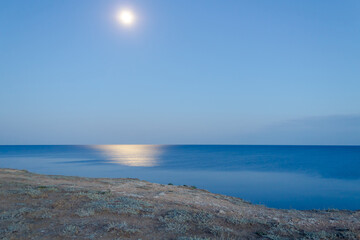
[[126, 17]]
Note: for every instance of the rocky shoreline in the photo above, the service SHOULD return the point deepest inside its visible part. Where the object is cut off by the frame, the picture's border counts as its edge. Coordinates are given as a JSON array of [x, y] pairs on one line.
[[34, 206]]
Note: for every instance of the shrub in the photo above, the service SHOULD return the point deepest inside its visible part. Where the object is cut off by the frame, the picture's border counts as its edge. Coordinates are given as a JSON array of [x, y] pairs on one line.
[[172, 226], [178, 215], [33, 192], [121, 205], [201, 218], [48, 188], [192, 238], [85, 212], [41, 213], [70, 230], [17, 227], [219, 230], [96, 195], [15, 214], [123, 227]]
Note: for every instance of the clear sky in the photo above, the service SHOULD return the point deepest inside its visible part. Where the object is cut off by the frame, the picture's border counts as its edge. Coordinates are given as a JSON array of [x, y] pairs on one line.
[[205, 71]]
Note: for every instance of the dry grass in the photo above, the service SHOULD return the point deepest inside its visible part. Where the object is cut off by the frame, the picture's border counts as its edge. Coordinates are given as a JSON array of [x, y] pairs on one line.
[[53, 207]]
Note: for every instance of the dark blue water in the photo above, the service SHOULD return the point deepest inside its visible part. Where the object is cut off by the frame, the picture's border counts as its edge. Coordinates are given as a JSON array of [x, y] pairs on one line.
[[300, 177]]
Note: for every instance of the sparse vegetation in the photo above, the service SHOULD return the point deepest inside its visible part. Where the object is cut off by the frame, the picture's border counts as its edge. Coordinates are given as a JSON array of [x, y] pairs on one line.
[[70, 230], [83, 208], [219, 231], [192, 238], [85, 212], [120, 227], [120, 205]]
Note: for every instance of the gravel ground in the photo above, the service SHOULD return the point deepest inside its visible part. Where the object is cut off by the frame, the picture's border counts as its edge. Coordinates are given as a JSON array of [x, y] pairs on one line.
[[34, 206]]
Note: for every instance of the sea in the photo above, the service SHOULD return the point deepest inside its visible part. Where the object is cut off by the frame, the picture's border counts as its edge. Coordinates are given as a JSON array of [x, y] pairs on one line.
[[287, 177]]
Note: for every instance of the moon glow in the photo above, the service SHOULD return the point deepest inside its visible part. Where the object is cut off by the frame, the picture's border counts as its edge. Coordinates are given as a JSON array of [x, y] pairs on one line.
[[126, 17]]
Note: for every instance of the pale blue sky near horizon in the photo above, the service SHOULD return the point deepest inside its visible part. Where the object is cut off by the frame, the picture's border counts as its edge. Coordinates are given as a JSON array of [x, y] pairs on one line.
[[188, 72]]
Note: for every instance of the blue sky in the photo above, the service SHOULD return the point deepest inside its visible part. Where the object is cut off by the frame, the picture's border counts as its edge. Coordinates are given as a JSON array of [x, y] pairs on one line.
[[237, 72]]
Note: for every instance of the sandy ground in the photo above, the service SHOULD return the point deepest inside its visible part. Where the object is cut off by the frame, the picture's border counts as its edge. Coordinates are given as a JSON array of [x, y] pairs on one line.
[[34, 206]]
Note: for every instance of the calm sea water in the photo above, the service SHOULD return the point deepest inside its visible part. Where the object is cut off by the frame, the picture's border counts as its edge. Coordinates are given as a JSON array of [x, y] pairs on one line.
[[300, 177]]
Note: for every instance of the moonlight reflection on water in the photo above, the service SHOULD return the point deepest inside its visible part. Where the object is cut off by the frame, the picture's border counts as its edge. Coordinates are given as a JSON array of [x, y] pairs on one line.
[[131, 155]]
